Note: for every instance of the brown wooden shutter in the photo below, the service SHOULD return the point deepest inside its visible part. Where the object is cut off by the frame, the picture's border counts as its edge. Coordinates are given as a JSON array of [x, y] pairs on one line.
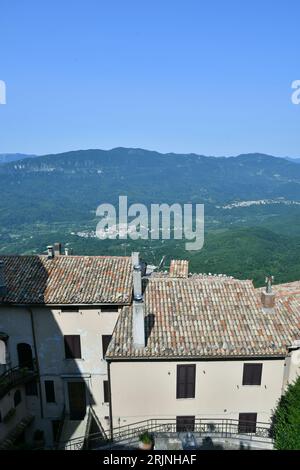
[[186, 375], [185, 423], [252, 374], [72, 346], [247, 422], [106, 391]]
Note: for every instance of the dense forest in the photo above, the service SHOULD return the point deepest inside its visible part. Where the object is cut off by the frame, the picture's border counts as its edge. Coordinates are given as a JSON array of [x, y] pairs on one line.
[[252, 207]]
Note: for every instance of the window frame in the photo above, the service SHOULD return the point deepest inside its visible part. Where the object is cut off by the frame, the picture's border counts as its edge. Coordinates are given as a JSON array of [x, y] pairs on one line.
[[189, 387], [249, 374], [69, 353], [106, 394], [247, 426]]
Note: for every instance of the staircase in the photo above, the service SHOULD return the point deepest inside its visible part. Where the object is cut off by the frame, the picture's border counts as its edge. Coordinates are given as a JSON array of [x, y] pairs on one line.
[[16, 432], [15, 376], [72, 432]]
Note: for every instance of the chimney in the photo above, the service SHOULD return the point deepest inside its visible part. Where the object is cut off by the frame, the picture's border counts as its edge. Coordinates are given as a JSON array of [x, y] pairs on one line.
[[179, 268], [138, 324], [50, 252], [268, 296], [57, 249], [137, 276], [138, 320], [3, 286]]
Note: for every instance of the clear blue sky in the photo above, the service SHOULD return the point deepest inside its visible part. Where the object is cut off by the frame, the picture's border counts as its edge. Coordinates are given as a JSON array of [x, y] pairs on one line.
[[211, 77]]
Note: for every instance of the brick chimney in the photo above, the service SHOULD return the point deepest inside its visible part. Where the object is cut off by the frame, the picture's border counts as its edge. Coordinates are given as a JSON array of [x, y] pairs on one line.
[[268, 296], [3, 286], [138, 307], [179, 268]]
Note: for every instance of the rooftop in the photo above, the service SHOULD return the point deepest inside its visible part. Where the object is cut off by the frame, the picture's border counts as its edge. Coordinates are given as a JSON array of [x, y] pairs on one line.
[[207, 317], [67, 280]]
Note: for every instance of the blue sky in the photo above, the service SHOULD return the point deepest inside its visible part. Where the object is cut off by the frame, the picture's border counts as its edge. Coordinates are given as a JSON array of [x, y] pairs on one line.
[[211, 77]]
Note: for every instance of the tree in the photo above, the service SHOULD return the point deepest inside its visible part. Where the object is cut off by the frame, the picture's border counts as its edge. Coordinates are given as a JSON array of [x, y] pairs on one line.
[[286, 419]]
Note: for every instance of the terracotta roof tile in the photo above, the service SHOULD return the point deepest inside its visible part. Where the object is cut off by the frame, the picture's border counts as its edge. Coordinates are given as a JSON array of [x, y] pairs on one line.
[[67, 279], [207, 316]]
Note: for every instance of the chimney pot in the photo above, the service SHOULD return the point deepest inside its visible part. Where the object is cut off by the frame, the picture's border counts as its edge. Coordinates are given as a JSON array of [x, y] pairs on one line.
[[268, 296], [137, 276], [50, 252]]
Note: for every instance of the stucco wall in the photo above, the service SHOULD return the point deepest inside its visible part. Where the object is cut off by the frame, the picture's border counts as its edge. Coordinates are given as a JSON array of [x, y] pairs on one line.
[[50, 327], [142, 390]]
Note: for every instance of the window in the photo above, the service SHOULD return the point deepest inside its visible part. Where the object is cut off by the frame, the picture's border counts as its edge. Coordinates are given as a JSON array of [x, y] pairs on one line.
[[72, 346], [106, 391], [252, 374], [186, 381], [31, 389], [105, 342], [247, 422], [50, 392], [185, 423], [17, 398]]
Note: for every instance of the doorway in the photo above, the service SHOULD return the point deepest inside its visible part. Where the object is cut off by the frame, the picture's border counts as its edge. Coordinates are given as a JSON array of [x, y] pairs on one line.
[[77, 400]]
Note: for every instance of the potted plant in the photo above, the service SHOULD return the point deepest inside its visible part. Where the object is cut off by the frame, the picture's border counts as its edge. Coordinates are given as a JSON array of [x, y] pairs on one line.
[[145, 441], [38, 438]]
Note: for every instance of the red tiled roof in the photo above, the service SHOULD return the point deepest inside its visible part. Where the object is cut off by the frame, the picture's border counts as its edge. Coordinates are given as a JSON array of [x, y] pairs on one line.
[[207, 316], [67, 279]]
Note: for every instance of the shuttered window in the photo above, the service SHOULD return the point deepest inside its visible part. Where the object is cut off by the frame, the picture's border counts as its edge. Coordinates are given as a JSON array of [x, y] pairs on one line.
[[106, 391], [105, 342], [50, 392], [185, 423], [186, 381], [252, 374], [72, 346], [247, 422]]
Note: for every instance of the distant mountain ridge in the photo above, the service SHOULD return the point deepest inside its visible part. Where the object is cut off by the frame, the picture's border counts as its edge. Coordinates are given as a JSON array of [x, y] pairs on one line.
[[72, 185], [252, 206], [13, 157]]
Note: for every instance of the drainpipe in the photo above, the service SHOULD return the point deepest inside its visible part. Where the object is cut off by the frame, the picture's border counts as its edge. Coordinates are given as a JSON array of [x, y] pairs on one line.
[[37, 361], [110, 403]]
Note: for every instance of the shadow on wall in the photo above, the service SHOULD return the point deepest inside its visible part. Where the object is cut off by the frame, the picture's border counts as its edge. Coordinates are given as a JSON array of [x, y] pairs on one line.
[[61, 399]]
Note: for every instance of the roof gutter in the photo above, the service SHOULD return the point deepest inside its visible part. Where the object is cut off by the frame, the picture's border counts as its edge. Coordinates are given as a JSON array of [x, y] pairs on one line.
[[196, 358]]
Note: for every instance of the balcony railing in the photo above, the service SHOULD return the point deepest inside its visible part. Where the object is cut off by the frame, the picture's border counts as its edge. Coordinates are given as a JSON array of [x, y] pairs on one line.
[[16, 376], [202, 427]]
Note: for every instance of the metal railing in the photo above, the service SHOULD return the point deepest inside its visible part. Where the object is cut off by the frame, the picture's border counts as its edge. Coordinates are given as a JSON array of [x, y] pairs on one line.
[[15, 376], [224, 428]]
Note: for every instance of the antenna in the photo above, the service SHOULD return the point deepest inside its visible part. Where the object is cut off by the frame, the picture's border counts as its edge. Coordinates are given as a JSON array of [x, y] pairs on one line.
[[162, 262]]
